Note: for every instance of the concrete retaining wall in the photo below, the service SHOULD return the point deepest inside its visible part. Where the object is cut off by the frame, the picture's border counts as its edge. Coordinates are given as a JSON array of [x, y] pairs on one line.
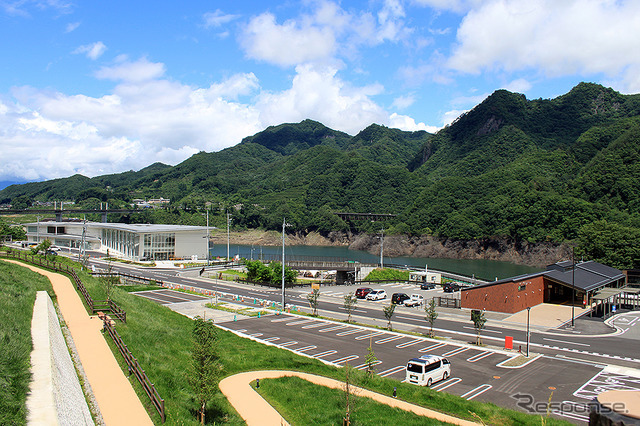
[[55, 395]]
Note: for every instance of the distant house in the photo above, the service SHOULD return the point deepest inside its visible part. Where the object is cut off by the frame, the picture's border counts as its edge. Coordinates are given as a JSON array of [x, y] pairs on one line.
[[555, 285]]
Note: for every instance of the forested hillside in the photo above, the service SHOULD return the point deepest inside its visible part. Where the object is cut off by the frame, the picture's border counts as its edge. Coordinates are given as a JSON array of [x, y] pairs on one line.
[[545, 170]]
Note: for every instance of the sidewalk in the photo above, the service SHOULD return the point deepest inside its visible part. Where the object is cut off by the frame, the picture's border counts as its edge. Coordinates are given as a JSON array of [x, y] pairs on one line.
[[256, 411], [118, 402]]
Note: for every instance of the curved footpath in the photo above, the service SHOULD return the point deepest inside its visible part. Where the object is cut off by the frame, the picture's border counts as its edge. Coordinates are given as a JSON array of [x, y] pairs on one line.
[[118, 402], [255, 410]]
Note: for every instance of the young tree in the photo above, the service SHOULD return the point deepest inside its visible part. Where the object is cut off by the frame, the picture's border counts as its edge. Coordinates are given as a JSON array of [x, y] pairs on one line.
[[350, 302], [431, 314], [479, 320], [313, 300], [42, 247], [109, 281], [371, 360], [346, 421], [388, 313], [205, 368]]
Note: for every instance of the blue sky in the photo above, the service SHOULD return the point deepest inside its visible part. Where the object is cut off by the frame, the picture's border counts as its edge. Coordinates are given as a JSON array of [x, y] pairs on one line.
[[100, 87]]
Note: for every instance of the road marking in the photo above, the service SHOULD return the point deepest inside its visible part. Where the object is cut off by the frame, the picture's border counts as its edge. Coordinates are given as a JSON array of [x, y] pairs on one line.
[[365, 365], [336, 327], [305, 321], [477, 391], [366, 336], [391, 371], [354, 310], [410, 343], [307, 348], [455, 352], [290, 343], [389, 339], [255, 335], [325, 353], [569, 343], [446, 384], [283, 319], [407, 318], [345, 359], [484, 330], [318, 324], [241, 331], [271, 339], [432, 347], [344, 333], [479, 356]]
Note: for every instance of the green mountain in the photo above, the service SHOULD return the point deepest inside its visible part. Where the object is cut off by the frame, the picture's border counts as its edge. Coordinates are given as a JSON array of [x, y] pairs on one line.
[[563, 169]]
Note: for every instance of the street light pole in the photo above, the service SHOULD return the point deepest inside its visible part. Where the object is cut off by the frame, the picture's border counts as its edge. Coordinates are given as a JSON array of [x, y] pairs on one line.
[[528, 334], [573, 284], [208, 248], [228, 236], [381, 249], [283, 225]]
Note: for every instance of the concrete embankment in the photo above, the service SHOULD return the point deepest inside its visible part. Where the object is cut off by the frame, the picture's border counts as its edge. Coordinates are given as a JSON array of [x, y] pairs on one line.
[[55, 395]]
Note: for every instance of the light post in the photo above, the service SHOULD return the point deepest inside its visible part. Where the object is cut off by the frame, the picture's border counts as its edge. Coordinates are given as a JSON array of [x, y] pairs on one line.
[[528, 334], [283, 225], [228, 220], [573, 284], [381, 248], [208, 248]]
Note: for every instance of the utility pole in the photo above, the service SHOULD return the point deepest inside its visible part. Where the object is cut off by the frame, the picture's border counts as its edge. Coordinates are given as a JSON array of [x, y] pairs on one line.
[[208, 250], [283, 225], [573, 284], [381, 249], [528, 334], [228, 216]]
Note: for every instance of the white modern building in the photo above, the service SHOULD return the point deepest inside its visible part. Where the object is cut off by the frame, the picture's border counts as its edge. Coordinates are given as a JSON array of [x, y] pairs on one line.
[[136, 242]]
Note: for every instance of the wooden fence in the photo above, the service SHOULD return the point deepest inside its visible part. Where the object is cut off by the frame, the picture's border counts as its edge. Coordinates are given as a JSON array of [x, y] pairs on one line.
[[136, 369]]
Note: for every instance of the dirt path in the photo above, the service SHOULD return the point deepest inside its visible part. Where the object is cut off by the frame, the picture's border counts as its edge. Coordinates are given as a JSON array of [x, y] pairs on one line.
[[118, 402], [256, 411]]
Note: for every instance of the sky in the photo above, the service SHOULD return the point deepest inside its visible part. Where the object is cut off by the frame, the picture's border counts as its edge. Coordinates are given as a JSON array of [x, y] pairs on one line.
[[100, 87]]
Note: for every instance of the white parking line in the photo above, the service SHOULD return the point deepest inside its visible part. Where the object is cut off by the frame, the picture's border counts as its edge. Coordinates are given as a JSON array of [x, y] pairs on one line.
[[305, 321], [432, 347], [307, 348], [477, 391], [407, 344], [345, 359], [480, 356], [389, 339], [391, 371], [325, 353], [569, 343], [364, 366], [318, 324], [446, 384], [283, 319], [241, 331], [366, 336], [344, 333], [455, 352], [255, 335], [271, 339], [289, 343], [336, 327]]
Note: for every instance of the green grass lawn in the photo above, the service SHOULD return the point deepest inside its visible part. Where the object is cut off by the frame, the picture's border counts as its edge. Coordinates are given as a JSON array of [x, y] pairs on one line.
[[18, 288], [311, 404], [161, 340]]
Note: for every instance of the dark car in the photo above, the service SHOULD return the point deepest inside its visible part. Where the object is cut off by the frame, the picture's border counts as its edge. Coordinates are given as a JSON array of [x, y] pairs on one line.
[[450, 288], [427, 286], [362, 292], [399, 298]]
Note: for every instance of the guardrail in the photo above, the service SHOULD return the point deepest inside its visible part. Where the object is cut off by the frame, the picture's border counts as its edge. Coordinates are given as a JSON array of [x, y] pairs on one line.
[[136, 369]]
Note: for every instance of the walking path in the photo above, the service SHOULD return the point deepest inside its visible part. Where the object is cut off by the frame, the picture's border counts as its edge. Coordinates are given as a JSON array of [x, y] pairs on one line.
[[256, 411], [118, 402]]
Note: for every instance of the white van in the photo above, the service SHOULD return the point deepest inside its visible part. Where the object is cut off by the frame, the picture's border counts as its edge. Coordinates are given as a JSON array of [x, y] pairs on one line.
[[427, 369]]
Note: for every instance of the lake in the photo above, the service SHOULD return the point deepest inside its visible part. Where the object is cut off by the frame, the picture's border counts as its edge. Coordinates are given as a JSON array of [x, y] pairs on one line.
[[487, 270]]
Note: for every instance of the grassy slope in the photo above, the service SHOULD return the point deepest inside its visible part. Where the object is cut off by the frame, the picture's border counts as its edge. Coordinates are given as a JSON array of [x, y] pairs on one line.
[[18, 288]]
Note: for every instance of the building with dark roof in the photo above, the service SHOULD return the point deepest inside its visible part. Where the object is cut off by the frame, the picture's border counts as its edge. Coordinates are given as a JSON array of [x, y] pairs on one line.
[[555, 285]]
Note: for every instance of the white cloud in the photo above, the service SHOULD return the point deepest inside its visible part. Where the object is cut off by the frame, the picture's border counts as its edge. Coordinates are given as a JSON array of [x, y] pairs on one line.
[[217, 18], [451, 116], [72, 26], [93, 50], [288, 44], [519, 85], [148, 118], [138, 71], [403, 102], [558, 38]]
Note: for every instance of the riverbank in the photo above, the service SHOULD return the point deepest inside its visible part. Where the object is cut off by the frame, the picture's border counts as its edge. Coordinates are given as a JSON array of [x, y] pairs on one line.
[[503, 250]]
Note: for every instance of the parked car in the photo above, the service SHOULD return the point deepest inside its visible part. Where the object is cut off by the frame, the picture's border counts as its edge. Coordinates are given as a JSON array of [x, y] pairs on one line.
[[414, 300], [362, 292], [399, 298], [377, 295], [427, 286], [450, 287], [427, 369]]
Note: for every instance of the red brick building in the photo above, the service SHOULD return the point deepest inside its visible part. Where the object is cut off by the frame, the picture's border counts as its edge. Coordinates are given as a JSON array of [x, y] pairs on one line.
[[555, 285]]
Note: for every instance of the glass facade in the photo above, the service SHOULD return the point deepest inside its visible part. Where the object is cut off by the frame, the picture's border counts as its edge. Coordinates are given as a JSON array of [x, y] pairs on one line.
[[160, 246], [125, 242]]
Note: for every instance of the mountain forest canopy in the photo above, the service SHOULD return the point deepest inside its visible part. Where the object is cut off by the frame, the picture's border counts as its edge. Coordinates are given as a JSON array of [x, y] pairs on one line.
[[552, 170]]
